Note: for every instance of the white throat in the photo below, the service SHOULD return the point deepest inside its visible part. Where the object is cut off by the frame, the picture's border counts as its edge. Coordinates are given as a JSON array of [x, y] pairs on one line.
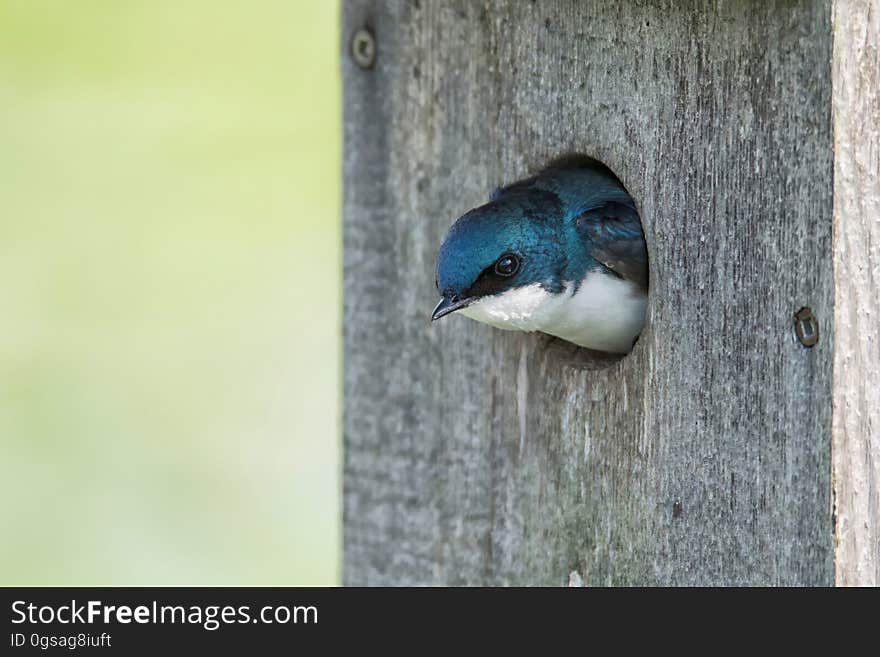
[[605, 313]]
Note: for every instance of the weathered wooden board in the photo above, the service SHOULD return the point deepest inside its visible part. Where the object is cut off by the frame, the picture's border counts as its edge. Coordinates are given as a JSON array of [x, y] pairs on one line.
[[857, 284], [475, 456]]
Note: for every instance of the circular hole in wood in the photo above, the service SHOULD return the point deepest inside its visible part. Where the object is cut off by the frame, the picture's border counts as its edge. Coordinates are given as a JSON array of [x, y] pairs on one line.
[[561, 252]]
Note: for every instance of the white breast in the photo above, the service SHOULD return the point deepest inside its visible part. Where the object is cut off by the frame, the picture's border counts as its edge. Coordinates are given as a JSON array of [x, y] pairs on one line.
[[605, 313]]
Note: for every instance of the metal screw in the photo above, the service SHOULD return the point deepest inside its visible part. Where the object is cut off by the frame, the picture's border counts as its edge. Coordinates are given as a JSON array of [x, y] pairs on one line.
[[806, 327], [676, 509], [363, 48]]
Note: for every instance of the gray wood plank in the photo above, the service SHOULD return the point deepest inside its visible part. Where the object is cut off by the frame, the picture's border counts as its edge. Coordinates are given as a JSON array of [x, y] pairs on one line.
[[476, 456], [856, 424]]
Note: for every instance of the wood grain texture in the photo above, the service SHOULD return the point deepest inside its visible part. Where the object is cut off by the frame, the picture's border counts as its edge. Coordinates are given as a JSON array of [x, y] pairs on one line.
[[476, 456], [856, 424]]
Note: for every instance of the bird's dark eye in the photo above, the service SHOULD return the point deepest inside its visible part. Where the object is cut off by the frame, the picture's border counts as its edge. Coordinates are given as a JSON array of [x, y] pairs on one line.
[[507, 265]]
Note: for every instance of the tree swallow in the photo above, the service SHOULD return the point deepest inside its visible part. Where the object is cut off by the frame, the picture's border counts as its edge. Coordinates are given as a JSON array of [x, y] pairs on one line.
[[562, 252]]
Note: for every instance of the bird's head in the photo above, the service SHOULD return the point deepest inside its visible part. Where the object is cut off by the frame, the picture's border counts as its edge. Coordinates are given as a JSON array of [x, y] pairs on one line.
[[497, 251], [562, 253]]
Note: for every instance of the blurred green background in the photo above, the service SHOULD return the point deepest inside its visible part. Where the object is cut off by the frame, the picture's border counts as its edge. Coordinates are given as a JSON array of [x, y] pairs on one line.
[[169, 292]]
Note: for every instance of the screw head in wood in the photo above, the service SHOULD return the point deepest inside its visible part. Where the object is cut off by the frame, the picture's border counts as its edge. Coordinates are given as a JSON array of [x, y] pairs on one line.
[[806, 327], [363, 48]]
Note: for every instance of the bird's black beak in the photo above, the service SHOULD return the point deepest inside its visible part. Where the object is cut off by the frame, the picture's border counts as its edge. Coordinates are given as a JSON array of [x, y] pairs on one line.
[[449, 304]]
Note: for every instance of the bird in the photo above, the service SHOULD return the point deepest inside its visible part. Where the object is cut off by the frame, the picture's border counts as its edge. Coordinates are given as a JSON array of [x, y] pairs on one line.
[[561, 252]]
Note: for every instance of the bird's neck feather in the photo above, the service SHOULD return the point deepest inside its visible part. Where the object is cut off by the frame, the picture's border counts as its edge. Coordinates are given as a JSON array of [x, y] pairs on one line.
[[601, 312]]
